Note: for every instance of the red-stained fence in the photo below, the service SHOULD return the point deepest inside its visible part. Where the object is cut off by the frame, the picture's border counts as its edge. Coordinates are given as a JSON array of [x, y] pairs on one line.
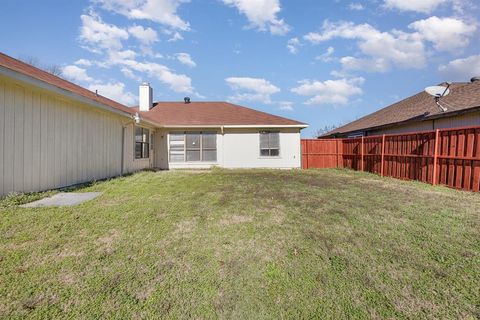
[[449, 157]]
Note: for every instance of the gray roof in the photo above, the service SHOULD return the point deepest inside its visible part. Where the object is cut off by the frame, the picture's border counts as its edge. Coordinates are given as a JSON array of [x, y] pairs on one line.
[[422, 106]]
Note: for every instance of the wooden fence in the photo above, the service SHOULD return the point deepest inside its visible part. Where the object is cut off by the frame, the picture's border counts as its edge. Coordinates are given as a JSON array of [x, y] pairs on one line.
[[449, 157]]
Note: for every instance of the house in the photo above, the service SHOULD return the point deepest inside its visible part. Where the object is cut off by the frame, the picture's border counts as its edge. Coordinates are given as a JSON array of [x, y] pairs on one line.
[[54, 133], [461, 108]]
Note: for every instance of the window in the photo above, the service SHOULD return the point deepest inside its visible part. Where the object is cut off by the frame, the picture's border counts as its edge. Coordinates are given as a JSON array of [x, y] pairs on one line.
[[269, 144], [177, 147], [142, 143], [193, 146]]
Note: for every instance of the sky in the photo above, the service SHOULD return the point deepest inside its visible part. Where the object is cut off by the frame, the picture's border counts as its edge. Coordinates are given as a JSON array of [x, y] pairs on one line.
[[325, 63]]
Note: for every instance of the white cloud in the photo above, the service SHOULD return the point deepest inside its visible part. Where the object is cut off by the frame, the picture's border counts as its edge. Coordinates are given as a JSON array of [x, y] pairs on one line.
[[371, 65], [327, 55], [356, 6], [83, 62], [262, 14], [463, 7], [129, 74], [424, 6], [146, 36], [76, 74], [176, 82], [396, 47], [114, 91], [447, 34], [286, 105], [251, 89], [95, 34], [114, 56], [461, 69], [185, 59], [335, 92], [173, 35], [108, 40], [160, 11], [293, 45]]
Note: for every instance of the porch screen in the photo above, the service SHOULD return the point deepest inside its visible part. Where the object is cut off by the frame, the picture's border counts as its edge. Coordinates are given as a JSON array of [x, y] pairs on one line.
[[191, 146]]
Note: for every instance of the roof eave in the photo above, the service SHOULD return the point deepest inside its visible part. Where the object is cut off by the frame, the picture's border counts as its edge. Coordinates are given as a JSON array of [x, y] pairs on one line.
[[236, 126]]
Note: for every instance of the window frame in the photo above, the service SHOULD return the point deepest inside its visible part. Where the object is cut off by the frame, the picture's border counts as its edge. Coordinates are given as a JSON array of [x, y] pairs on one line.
[[144, 144], [270, 148], [186, 148]]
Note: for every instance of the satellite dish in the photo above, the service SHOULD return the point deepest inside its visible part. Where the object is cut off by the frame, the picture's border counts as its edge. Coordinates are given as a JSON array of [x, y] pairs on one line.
[[437, 91]]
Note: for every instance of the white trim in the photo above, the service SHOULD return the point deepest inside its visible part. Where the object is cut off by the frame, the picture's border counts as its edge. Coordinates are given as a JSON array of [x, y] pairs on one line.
[[268, 126], [239, 126]]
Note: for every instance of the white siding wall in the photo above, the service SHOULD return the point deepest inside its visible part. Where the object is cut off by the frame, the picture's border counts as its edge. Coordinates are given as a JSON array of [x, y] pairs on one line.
[[241, 149], [237, 148], [412, 127], [465, 120], [48, 142]]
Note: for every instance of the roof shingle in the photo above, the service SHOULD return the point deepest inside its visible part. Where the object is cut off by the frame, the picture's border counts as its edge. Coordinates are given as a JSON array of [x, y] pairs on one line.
[[211, 113], [422, 106]]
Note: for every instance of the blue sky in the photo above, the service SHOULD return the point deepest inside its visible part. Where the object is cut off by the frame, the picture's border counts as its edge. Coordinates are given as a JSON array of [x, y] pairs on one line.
[[321, 62]]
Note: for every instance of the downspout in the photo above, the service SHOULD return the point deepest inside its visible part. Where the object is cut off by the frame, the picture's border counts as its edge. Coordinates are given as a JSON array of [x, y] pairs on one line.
[[222, 128], [123, 151], [124, 130]]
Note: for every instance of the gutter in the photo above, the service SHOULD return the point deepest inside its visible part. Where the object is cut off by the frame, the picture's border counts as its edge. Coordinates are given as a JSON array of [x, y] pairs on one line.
[[302, 126]]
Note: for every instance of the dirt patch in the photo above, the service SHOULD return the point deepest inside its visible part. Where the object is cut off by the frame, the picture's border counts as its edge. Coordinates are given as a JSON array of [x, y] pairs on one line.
[[235, 219], [278, 216], [40, 299], [186, 226], [107, 242], [3, 309], [414, 306], [144, 293], [68, 278], [70, 253]]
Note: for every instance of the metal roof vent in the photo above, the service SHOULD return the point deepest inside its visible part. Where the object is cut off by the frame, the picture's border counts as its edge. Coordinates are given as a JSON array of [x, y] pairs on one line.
[[475, 79], [187, 100]]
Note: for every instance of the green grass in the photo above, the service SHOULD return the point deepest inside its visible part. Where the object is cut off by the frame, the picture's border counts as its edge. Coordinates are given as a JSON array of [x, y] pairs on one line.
[[245, 244]]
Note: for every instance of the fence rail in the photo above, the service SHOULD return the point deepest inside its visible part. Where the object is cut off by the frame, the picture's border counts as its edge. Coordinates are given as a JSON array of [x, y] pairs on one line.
[[449, 157]]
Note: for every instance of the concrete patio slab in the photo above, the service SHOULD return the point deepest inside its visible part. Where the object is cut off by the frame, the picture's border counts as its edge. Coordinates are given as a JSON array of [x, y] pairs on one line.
[[64, 199]]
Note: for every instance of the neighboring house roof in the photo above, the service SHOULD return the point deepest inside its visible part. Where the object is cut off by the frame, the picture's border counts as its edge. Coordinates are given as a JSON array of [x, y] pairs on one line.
[[38, 74], [212, 114], [463, 96]]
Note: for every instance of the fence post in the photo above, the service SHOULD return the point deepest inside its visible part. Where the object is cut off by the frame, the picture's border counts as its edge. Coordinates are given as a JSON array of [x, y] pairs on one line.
[[306, 154], [383, 155], [435, 157], [336, 151], [362, 160]]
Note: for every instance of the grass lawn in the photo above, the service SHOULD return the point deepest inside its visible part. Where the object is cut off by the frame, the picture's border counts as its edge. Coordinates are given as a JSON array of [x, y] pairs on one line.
[[245, 244]]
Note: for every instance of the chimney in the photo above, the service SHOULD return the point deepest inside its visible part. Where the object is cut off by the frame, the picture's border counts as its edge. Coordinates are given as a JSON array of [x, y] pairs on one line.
[[145, 96]]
